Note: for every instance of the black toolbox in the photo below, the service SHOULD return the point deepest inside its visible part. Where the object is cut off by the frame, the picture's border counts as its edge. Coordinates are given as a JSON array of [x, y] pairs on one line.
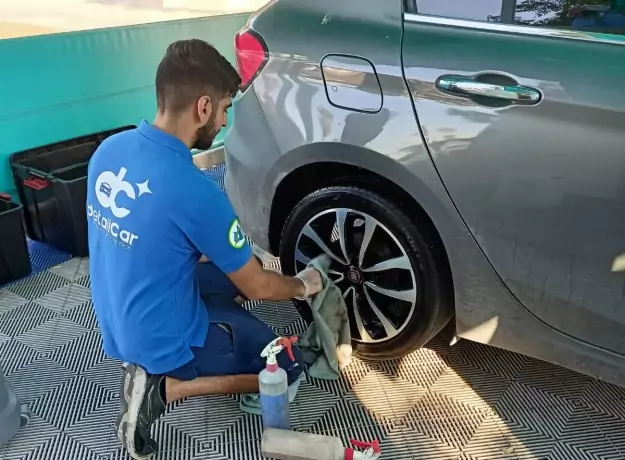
[[51, 183], [14, 257]]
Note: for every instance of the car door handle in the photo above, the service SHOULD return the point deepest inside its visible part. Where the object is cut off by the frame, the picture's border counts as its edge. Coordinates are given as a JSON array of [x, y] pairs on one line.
[[473, 88]]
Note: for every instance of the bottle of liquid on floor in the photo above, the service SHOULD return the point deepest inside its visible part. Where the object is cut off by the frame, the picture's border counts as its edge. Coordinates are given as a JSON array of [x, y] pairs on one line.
[[274, 386]]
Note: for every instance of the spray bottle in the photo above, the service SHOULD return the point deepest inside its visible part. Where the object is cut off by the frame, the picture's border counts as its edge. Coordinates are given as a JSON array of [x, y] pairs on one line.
[[274, 386], [292, 445]]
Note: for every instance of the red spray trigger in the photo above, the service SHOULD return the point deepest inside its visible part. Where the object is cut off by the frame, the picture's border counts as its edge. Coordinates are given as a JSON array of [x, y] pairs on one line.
[[375, 445], [370, 450], [287, 342]]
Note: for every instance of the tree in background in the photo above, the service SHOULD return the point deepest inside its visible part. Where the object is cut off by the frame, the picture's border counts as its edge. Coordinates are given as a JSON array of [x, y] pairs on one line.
[[552, 13]]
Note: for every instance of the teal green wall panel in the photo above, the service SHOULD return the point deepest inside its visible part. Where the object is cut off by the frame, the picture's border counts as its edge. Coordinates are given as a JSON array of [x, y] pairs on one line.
[[67, 85]]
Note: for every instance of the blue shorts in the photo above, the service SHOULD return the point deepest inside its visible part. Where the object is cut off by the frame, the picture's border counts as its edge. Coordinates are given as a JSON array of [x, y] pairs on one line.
[[235, 337]]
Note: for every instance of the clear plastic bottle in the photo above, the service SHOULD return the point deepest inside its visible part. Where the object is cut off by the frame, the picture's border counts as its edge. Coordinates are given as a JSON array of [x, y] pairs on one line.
[[274, 387]]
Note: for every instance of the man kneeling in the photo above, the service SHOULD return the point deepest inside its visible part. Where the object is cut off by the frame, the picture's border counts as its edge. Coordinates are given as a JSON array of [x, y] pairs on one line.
[[168, 256]]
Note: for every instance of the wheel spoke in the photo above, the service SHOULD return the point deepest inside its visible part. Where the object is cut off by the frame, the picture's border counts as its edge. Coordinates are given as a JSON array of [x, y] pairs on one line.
[[401, 262], [407, 296], [310, 233], [341, 215], [364, 335], [390, 330], [300, 257], [335, 276], [369, 229]]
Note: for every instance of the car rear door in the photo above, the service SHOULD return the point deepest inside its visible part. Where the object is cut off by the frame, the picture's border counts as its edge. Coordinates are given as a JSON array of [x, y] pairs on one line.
[[524, 116]]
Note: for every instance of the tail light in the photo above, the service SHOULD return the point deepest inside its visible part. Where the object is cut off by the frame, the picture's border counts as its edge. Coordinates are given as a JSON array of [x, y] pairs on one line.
[[251, 55]]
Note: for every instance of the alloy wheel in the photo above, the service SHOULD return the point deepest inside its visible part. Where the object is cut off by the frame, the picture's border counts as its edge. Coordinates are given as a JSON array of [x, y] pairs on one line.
[[369, 265]]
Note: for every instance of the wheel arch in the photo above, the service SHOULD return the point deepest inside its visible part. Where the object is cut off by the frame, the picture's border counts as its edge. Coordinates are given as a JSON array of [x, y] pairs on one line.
[[314, 166]]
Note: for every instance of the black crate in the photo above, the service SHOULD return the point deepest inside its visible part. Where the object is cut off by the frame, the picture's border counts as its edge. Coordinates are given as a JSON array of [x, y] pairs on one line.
[[14, 258], [51, 183]]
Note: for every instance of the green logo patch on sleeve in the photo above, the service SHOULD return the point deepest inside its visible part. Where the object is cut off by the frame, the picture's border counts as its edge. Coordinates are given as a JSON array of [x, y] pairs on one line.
[[236, 238]]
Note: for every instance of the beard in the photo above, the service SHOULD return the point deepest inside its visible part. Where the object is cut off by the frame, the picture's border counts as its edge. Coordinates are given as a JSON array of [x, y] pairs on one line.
[[206, 135]]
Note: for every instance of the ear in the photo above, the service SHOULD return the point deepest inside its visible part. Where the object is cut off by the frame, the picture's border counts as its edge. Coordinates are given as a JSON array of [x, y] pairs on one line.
[[204, 109]]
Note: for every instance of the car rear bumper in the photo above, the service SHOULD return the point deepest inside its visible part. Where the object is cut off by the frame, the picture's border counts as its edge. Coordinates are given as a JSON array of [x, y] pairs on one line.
[[251, 150]]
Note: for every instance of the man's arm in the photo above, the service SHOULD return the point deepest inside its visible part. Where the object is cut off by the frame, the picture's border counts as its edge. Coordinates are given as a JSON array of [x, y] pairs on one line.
[[213, 227], [255, 283]]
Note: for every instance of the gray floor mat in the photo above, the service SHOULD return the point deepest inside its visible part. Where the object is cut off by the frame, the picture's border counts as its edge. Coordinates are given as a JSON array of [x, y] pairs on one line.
[[463, 402]]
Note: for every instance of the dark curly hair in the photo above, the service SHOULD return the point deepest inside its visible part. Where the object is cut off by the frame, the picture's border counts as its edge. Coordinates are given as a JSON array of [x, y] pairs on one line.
[[190, 69]]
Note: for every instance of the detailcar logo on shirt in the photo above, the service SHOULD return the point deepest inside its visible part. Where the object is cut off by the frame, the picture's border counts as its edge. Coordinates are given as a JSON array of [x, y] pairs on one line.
[[107, 186]]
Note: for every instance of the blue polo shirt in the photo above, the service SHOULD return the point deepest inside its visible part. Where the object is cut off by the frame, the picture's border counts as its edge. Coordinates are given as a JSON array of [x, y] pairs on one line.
[[151, 215]]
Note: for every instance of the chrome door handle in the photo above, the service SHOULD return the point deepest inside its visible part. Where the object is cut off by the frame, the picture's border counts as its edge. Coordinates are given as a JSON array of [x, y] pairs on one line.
[[471, 88]]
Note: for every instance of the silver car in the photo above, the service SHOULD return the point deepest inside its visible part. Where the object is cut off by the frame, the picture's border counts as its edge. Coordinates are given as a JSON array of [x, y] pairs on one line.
[[455, 158]]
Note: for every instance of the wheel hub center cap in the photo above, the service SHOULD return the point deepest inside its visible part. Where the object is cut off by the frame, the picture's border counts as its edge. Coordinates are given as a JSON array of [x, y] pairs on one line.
[[353, 275]]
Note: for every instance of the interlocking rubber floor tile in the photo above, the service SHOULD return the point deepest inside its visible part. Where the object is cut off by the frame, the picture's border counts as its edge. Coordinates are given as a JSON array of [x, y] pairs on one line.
[[481, 392], [10, 301], [81, 353], [24, 318], [14, 356], [84, 317], [68, 403], [490, 441], [96, 429], [38, 285], [422, 369], [41, 375], [445, 419], [39, 434], [423, 446], [73, 269], [461, 402], [65, 298], [42, 256]]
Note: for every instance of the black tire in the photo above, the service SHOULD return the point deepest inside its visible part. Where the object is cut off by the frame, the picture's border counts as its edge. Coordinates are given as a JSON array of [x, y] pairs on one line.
[[434, 305]]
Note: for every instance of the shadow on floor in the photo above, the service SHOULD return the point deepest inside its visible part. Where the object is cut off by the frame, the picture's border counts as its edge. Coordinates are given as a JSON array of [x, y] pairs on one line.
[[465, 402]]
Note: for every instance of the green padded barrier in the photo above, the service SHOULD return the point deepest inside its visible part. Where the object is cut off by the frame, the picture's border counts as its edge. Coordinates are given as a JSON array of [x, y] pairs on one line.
[[67, 85]]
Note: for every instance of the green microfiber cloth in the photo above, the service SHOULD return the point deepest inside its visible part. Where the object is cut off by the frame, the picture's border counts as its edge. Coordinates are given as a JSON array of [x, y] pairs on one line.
[[326, 344]]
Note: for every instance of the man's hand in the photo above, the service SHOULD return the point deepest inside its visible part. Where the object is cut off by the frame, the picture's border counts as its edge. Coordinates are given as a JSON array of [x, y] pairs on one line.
[[312, 282]]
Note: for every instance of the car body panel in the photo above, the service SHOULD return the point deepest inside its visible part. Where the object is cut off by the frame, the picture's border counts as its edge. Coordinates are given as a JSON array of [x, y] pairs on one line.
[[285, 122], [542, 187], [251, 151]]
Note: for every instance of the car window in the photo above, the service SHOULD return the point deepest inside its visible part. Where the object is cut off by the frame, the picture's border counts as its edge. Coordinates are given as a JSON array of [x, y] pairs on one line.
[[602, 16], [472, 10]]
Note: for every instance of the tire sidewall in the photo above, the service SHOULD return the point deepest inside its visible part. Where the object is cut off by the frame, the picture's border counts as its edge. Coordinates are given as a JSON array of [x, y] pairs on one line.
[[427, 308]]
